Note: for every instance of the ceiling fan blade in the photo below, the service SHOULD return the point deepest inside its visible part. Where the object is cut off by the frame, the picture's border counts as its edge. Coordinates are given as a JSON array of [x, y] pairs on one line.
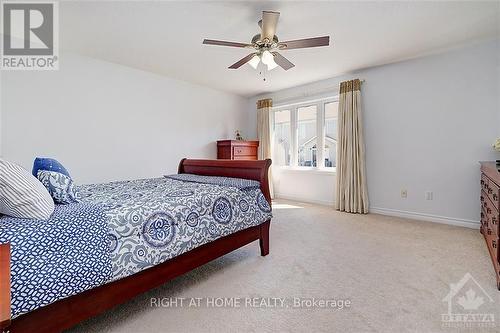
[[303, 43], [269, 22], [282, 61], [241, 62], [224, 43]]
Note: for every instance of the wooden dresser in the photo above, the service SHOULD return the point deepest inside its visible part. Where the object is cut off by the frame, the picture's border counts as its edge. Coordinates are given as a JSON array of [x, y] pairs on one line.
[[490, 217], [237, 150]]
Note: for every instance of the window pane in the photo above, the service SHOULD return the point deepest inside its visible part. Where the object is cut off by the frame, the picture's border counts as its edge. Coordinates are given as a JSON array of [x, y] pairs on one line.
[[307, 137], [281, 150], [331, 123]]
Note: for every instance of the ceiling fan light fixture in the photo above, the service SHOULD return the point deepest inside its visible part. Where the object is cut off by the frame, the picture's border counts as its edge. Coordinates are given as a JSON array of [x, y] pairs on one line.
[[254, 62], [267, 58]]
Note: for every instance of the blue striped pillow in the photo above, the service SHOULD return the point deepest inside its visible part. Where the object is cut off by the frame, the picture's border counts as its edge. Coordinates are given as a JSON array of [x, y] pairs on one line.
[[22, 195]]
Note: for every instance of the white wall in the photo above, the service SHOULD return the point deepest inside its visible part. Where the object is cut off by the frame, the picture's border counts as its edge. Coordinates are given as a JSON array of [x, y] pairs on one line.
[[428, 122], [109, 122]]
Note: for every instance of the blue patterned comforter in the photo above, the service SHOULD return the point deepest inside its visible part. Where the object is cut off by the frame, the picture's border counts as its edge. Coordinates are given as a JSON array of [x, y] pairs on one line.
[[153, 220], [121, 228], [57, 258]]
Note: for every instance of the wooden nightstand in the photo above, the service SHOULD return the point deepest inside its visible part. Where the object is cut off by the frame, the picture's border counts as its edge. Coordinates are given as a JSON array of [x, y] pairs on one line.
[[237, 150]]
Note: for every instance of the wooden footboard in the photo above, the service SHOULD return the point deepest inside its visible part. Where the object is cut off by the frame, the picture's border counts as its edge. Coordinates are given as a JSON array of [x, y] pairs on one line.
[[69, 311]]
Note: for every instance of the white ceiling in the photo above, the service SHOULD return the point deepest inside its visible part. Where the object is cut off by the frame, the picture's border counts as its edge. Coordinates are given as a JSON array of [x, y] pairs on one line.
[[165, 37]]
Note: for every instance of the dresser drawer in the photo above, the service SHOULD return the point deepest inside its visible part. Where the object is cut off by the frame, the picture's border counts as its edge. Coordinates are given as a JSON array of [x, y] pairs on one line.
[[491, 189], [246, 157], [492, 242], [244, 151], [490, 212]]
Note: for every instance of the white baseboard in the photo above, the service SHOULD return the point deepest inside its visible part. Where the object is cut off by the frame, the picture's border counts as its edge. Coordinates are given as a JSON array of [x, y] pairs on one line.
[[394, 212], [300, 199], [427, 217]]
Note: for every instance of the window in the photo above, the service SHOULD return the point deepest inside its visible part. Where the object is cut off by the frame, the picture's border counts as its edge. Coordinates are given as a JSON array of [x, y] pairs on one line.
[[281, 138], [305, 134], [331, 115], [307, 139]]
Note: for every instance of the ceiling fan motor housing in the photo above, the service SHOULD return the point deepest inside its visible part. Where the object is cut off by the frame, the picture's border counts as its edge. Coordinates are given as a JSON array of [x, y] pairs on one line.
[[256, 40]]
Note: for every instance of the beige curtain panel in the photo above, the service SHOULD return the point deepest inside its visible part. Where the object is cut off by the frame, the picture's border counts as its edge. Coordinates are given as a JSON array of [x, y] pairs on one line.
[[352, 193], [264, 134]]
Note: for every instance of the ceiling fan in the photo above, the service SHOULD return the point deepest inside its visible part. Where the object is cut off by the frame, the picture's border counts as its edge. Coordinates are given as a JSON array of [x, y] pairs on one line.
[[267, 45]]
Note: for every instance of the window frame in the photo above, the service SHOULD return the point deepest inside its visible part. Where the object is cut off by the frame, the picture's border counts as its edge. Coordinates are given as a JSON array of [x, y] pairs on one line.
[[293, 107]]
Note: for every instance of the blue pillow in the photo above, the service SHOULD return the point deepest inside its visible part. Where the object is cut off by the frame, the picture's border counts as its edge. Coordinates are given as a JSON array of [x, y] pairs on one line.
[[48, 164], [61, 188]]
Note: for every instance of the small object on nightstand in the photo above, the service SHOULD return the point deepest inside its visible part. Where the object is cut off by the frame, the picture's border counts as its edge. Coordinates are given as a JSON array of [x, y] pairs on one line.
[[238, 136], [237, 150], [496, 146]]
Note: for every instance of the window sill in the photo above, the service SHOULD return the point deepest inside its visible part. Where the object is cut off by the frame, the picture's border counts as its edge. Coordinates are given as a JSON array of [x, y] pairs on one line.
[[311, 170]]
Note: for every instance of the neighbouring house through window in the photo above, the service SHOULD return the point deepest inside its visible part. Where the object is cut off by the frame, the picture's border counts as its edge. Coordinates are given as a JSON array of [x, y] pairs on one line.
[[305, 134]]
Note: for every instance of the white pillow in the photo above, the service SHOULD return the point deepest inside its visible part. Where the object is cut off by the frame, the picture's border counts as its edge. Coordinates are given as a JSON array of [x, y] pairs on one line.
[[22, 195]]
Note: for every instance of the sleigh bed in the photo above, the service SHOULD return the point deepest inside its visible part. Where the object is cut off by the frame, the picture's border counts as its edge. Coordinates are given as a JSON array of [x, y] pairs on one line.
[[125, 238]]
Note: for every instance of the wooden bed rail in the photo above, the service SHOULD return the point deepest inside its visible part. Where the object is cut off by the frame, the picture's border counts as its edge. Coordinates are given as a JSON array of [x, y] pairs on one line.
[[254, 170], [4, 285]]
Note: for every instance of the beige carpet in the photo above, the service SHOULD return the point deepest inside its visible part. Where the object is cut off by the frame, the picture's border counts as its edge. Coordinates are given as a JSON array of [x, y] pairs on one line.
[[394, 271]]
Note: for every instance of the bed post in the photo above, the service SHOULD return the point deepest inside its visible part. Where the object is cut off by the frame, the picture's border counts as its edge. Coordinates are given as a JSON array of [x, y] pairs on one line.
[[264, 238], [4, 285]]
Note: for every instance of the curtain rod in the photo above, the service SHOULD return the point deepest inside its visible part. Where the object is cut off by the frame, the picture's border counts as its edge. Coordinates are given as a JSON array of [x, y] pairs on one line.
[[315, 94]]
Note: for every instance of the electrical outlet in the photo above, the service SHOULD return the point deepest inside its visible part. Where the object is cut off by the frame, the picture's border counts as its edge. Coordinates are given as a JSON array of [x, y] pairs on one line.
[[404, 194], [429, 195]]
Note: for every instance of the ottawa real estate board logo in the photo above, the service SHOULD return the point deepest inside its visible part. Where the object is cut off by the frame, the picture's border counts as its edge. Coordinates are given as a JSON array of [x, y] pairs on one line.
[[30, 35]]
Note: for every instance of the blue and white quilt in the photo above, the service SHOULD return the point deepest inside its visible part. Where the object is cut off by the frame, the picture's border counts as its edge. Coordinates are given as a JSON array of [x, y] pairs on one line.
[[153, 220], [121, 228], [57, 258]]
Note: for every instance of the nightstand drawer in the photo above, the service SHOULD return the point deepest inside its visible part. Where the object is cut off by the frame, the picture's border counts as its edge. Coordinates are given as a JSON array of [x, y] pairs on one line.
[[244, 151]]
